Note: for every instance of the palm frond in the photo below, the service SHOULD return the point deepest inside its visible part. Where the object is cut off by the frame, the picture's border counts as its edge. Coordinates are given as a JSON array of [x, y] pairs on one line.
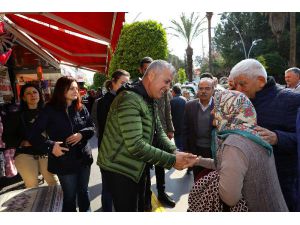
[[189, 27], [198, 30], [179, 29]]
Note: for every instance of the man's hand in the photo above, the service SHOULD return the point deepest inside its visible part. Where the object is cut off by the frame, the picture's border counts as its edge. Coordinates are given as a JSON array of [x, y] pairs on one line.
[[170, 135], [267, 135], [74, 139], [58, 150], [184, 160]]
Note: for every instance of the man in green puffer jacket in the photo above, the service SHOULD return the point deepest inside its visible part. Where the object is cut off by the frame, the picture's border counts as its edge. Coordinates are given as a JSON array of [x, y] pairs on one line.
[[126, 146]]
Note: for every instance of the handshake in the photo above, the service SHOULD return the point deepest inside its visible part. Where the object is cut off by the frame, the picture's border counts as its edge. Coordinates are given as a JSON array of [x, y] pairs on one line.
[[184, 160]]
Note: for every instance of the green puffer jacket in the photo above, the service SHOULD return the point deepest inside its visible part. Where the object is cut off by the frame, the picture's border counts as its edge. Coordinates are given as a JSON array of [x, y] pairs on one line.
[[126, 144]]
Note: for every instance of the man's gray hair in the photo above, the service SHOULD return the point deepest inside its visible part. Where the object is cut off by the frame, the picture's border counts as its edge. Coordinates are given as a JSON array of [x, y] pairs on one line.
[[250, 68], [159, 66], [296, 70], [208, 80]]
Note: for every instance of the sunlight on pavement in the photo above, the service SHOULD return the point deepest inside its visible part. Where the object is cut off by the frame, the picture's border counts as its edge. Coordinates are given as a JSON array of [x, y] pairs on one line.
[[156, 206]]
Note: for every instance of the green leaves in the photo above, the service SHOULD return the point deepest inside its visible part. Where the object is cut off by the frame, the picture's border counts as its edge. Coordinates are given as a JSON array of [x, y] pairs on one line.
[[98, 80], [138, 40]]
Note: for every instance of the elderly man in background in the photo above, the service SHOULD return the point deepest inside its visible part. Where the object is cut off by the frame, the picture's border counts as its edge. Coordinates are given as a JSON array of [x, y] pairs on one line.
[[276, 109], [197, 124], [292, 79]]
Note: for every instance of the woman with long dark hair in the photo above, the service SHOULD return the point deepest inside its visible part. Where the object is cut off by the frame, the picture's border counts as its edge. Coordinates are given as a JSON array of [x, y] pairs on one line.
[[29, 160], [69, 127]]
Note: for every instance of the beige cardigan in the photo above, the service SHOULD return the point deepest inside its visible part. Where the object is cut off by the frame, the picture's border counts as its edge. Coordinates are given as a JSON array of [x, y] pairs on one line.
[[246, 170]]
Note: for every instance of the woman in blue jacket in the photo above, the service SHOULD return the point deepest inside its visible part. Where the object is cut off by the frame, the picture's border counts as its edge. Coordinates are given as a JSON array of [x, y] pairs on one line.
[[69, 127]]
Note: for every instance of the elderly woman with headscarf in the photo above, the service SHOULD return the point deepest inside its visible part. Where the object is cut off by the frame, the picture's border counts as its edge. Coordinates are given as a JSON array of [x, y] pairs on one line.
[[245, 177]]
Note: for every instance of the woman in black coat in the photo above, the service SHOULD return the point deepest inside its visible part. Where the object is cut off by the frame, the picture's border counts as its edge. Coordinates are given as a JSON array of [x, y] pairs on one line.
[[29, 160], [69, 127]]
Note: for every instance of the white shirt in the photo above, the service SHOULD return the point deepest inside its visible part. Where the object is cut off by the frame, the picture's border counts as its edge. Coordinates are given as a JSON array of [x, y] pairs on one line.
[[208, 105]]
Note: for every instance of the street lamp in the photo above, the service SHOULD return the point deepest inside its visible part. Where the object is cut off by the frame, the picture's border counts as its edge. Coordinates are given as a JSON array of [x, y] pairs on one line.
[[253, 44], [238, 33]]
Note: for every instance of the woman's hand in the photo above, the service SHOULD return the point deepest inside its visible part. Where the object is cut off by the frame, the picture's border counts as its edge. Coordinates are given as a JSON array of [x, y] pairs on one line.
[[74, 139], [58, 150]]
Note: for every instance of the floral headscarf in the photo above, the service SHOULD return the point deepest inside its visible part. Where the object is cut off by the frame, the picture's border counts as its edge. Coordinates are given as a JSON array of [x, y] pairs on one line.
[[235, 114]]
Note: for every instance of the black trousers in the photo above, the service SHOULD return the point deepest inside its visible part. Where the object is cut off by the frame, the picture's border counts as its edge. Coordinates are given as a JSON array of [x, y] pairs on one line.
[[160, 182], [124, 191]]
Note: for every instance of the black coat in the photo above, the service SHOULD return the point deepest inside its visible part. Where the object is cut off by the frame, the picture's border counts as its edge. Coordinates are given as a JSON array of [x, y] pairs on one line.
[[276, 110], [177, 110], [17, 128], [59, 125], [103, 106]]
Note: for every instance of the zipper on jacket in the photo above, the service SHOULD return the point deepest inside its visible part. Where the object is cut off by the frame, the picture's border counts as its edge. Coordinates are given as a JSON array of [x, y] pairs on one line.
[[153, 131], [72, 129]]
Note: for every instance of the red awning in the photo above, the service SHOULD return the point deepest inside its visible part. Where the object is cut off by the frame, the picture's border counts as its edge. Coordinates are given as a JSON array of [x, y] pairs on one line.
[[81, 39]]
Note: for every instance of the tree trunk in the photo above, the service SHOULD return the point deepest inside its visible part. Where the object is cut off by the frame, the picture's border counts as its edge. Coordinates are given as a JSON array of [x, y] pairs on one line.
[[292, 61], [209, 16], [189, 61]]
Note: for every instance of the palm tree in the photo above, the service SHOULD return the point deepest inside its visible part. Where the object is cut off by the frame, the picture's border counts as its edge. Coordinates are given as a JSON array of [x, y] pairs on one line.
[[277, 22], [188, 29], [209, 16]]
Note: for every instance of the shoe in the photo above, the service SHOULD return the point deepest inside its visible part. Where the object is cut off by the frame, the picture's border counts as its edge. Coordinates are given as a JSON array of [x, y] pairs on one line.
[[188, 171], [148, 207], [166, 200]]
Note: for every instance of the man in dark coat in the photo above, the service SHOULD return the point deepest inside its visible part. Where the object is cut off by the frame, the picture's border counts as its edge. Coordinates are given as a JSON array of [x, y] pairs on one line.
[[276, 109], [177, 111], [197, 125]]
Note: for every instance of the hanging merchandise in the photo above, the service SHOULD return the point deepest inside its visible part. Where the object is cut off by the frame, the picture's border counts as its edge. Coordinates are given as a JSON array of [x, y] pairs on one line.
[[6, 43], [10, 168], [1, 27], [2, 165], [2, 146], [4, 57], [6, 91]]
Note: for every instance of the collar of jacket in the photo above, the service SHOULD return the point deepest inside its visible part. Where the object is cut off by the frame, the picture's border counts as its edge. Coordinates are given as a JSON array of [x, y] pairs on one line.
[[270, 84], [138, 88]]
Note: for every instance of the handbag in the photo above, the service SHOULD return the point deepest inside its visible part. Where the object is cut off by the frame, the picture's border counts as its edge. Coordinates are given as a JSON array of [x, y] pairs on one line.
[[204, 196]]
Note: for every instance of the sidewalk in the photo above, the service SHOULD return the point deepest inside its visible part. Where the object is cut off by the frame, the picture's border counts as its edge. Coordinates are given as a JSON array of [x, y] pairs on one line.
[[178, 185]]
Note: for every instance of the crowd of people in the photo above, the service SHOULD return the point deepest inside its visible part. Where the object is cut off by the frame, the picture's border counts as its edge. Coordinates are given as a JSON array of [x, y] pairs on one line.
[[239, 139]]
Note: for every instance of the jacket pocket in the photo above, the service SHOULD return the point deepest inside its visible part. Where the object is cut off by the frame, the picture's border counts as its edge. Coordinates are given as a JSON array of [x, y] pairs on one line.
[[118, 150]]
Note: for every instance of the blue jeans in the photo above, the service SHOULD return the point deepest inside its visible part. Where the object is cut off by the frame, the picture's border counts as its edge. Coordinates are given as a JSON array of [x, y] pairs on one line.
[[179, 142], [76, 186]]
